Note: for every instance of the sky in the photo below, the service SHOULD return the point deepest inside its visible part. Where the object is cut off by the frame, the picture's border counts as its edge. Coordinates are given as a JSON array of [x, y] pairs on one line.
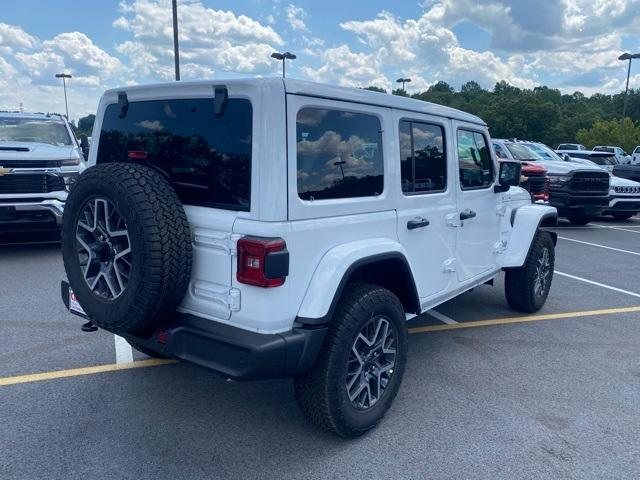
[[572, 45]]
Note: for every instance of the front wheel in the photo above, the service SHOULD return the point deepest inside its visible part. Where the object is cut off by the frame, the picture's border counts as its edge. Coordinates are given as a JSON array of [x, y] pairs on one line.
[[359, 370], [527, 287]]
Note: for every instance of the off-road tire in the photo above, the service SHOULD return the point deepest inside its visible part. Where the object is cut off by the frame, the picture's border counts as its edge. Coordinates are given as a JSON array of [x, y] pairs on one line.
[[580, 220], [321, 392], [621, 217], [160, 242], [519, 282]]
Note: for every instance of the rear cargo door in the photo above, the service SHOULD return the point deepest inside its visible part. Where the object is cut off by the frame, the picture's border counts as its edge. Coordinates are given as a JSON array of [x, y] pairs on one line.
[[207, 157]]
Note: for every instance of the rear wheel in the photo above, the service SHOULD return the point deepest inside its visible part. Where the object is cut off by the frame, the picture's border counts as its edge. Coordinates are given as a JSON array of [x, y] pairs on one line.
[[527, 287], [623, 216], [359, 370], [580, 220]]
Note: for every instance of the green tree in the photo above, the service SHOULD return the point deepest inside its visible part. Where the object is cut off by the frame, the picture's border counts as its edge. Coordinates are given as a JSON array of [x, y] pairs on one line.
[[375, 89], [611, 132], [85, 125]]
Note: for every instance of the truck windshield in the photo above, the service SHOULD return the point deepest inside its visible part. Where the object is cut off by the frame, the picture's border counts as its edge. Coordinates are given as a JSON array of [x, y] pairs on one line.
[[520, 152], [545, 152], [34, 130]]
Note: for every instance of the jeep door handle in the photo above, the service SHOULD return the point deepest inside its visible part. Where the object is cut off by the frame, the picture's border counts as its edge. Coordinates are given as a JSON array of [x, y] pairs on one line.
[[417, 222], [467, 214]]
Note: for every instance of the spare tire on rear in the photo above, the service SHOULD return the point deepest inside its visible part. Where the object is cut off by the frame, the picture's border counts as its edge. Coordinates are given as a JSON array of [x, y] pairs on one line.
[[126, 246]]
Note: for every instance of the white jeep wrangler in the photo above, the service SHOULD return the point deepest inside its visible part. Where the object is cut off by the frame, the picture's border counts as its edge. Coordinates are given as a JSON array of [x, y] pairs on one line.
[[276, 228]]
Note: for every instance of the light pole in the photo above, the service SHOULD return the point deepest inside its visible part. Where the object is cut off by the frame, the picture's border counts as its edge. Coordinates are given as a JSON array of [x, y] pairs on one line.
[[403, 81], [283, 57], [176, 46], [623, 57], [64, 77]]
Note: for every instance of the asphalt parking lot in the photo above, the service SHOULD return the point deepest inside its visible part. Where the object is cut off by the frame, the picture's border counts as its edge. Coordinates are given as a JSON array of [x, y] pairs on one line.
[[487, 393]]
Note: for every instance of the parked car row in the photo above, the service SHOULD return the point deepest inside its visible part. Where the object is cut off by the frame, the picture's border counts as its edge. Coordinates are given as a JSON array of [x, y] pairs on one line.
[[621, 156], [581, 184]]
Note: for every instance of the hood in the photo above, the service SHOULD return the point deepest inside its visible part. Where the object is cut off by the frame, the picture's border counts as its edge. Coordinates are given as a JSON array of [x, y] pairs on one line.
[[562, 168], [36, 151], [623, 182]]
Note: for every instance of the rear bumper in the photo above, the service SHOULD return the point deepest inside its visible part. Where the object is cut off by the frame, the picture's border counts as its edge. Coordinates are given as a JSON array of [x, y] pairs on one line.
[[26, 214], [231, 351]]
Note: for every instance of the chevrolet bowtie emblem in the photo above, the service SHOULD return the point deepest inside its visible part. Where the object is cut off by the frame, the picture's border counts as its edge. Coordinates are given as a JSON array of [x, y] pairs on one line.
[[4, 171]]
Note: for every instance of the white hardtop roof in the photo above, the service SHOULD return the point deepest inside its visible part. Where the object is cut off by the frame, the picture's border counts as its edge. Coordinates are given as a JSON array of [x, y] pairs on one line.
[[300, 87]]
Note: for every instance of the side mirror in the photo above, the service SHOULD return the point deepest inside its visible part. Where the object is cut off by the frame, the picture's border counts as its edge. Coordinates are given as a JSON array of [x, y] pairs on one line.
[[566, 157], [510, 173], [84, 146]]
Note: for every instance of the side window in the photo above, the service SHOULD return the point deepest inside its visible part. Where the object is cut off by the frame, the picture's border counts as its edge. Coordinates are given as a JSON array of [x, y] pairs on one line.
[[423, 158], [474, 157], [339, 154], [500, 153]]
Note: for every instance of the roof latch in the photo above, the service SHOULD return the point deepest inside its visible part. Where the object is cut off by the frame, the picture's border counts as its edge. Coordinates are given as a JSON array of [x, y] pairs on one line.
[[220, 100], [123, 103]]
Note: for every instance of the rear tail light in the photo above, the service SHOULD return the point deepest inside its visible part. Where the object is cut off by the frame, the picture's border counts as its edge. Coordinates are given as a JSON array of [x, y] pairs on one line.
[[262, 262]]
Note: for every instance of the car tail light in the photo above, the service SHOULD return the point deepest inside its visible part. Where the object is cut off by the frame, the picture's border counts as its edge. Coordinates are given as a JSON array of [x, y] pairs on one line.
[[262, 262]]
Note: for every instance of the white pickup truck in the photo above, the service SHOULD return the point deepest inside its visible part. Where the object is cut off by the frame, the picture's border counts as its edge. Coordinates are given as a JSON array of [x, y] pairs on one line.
[[40, 160]]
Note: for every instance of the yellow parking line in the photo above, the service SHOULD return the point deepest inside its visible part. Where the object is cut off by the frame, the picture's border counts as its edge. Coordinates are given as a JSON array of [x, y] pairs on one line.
[[76, 372], [527, 318]]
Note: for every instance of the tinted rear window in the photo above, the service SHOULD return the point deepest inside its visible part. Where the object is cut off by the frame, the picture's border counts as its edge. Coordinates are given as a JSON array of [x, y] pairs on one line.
[[207, 158]]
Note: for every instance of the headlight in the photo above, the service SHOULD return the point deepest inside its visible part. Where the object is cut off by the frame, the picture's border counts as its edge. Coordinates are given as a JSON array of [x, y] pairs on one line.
[[559, 180], [70, 162]]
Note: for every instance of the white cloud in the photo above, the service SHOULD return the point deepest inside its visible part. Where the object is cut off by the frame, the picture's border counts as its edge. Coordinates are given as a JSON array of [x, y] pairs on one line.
[[295, 17], [15, 37], [209, 40], [419, 48]]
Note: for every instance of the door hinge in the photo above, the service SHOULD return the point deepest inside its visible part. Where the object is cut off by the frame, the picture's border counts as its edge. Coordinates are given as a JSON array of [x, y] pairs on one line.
[[453, 220], [233, 299], [500, 247], [218, 294], [501, 210], [449, 265], [216, 240]]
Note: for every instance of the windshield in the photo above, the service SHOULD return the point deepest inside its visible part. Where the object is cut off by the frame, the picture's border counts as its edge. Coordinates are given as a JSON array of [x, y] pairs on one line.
[[602, 160], [520, 152], [597, 159], [603, 149], [34, 130], [545, 152]]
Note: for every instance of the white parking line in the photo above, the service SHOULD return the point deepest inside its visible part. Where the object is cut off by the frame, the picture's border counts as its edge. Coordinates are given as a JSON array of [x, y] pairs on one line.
[[625, 229], [599, 246], [124, 352], [598, 284], [441, 317]]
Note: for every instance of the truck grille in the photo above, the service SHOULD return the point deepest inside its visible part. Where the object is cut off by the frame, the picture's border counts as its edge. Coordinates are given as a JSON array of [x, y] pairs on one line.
[[594, 183], [28, 183], [536, 183], [30, 163]]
